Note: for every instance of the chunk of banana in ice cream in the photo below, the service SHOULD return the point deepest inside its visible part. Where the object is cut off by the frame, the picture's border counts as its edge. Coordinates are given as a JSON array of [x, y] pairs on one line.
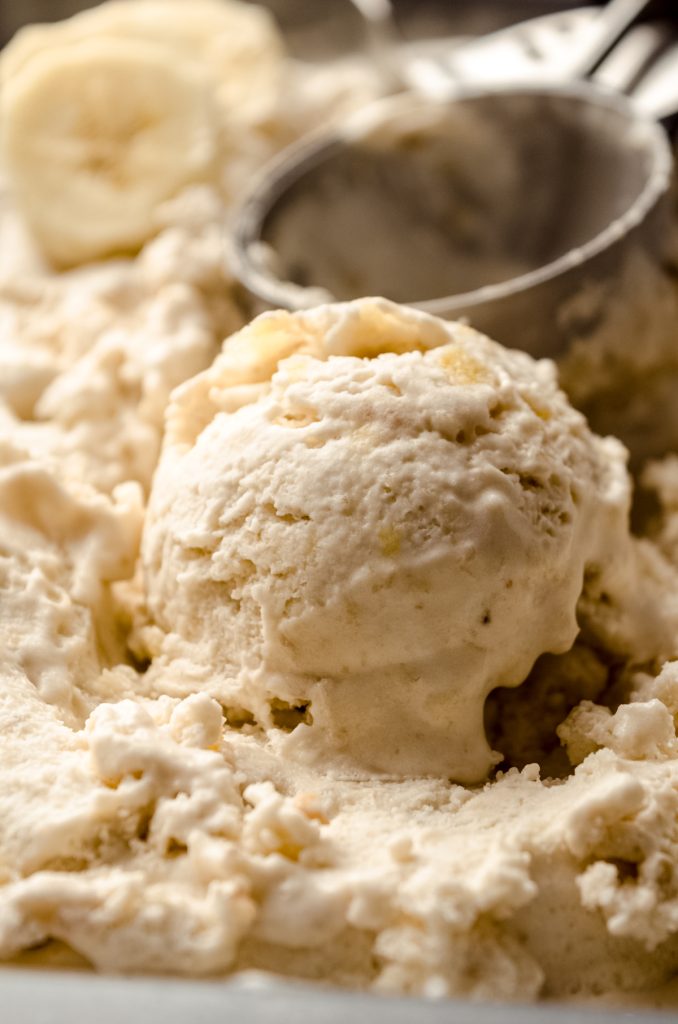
[[363, 521]]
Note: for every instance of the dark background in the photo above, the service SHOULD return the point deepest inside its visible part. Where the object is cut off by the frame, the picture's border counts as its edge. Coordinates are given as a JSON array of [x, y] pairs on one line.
[[326, 28]]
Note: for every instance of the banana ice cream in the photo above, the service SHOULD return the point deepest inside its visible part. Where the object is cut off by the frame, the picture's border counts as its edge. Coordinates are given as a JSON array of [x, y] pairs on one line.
[[327, 649], [273, 746], [355, 516]]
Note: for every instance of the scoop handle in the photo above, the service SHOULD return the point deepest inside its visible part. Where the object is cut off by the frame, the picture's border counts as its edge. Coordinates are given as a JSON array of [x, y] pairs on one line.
[[613, 22], [382, 38]]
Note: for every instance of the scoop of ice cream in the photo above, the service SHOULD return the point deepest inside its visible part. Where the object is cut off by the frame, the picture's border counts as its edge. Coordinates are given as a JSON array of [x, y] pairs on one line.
[[364, 520]]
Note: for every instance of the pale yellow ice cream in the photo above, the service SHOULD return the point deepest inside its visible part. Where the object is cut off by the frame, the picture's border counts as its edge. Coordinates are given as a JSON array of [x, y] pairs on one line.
[[377, 519], [255, 719], [249, 798]]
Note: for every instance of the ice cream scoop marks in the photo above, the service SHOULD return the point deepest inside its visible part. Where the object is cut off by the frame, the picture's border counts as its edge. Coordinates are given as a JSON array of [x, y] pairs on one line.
[[439, 468]]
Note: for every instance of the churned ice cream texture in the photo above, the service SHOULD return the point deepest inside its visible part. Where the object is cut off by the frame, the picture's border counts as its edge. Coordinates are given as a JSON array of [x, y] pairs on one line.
[[251, 754], [365, 680], [365, 520], [126, 134]]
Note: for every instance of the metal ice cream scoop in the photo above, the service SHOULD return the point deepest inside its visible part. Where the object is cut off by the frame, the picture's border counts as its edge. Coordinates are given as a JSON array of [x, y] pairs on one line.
[[496, 204]]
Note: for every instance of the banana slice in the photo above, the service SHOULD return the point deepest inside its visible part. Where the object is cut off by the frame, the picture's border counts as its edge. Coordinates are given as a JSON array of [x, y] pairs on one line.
[[97, 133], [237, 43]]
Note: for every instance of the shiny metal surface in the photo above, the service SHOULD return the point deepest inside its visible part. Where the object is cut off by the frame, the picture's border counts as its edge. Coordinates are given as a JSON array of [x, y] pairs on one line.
[[30, 998], [613, 153], [607, 175]]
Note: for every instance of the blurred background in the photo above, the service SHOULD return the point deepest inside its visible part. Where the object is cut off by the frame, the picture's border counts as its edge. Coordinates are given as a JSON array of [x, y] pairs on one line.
[[321, 29]]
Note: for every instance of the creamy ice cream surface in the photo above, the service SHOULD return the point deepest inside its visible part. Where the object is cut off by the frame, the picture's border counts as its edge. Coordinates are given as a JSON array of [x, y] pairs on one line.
[[267, 749], [327, 649], [356, 534]]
